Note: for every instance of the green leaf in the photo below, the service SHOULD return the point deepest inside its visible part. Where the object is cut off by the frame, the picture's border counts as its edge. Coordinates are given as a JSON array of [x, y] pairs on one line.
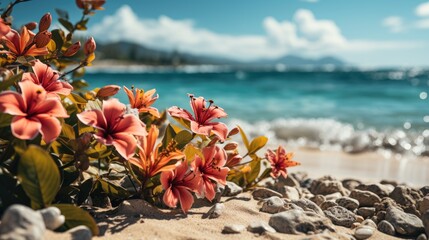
[[183, 138], [39, 176], [257, 143], [68, 25], [5, 119], [244, 137], [251, 176], [190, 152], [75, 98], [58, 37], [76, 216], [62, 13], [4, 85], [85, 189], [168, 135], [113, 190], [68, 131]]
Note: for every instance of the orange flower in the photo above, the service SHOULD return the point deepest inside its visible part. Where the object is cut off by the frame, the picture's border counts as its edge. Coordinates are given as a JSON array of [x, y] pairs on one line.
[[90, 4], [142, 100], [280, 160], [150, 160], [22, 44]]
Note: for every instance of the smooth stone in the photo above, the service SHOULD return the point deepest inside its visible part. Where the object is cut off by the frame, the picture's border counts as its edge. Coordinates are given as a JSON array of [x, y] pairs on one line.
[[333, 196], [262, 193], [260, 227], [423, 204], [80, 233], [21, 222], [380, 190], [363, 232], [52, 217], [422, 237], [233, 228], [215, 211], [273, 205], [290, 193], [386, 227], [318, 199], [365, 198], [359, 219], [297, 221], [351, 184], [328, 204], [404, 223], [425, 220], [369, 222], [340, 216], [366, 212], [308, 205], [232, 189], [348, 203], [327, 185]]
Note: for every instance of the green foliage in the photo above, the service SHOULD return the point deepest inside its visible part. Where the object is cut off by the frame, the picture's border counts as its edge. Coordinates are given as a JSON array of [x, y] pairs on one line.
[[75, 216]]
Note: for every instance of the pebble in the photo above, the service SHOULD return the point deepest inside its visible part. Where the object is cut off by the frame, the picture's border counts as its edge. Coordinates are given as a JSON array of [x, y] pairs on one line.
[[359, 219], [262, 193], [340, 216], [260, 227], [22, 222], [350, 184], [423, 204], [366, 212], [290, 193], [404, 223], [369, 222], [273, 205], [333, 196], [328, 204], [363, 232], [80, 233], [233, 228], [425, 219], [405, 196], [424, 190], [348, 203], [215, 211], [365, 198], [297, 221], [386, 227], [380, 190], [318, 199], [308, 205], [422, 237], [327, 185], [232, 189], [52, 217]]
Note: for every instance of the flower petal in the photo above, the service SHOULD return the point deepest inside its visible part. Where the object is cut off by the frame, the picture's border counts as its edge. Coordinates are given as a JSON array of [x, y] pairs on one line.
[[125, 144], [130, 95], [201, 129], [170, 197], [166, 178], [24, 128], [209, 189], [130, 124], [113, 110], [94, 118], [12, 103], [186, 198], [180, 113], [51, 127], [220, 130], [217, 175], [51, 106]]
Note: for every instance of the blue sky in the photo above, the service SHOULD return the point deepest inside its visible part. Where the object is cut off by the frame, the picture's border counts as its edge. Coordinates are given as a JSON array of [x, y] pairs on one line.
[[365, 32]]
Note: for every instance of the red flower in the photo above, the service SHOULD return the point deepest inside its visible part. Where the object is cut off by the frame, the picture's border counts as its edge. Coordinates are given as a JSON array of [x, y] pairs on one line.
[[178, 185], [46, 77], [115, 127], [212, 169], [280, 160], [22, 44], [33, 112], [202, 124]]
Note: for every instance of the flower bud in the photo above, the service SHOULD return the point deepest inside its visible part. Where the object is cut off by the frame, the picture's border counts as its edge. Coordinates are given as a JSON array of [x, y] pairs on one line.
[[233, 160], [72, 50], [4, 28], [45, 22], [31, 25], [233, 132], [79, 4], [89, 46], [230, 146], [42, 39], [84, 140], [107, 91]]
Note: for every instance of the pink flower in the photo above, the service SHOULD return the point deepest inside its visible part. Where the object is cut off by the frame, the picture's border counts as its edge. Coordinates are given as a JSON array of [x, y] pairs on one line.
[[202, 124], [34, 112], [46, 77], [178, 185], [280, 160], [115, 127], [212, 169]]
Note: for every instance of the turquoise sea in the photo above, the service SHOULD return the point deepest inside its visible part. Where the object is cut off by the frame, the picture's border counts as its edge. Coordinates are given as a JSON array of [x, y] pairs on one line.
[[352, 110]]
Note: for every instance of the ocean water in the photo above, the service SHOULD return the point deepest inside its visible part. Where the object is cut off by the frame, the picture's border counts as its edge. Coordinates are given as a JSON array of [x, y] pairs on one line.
[[352, 111]]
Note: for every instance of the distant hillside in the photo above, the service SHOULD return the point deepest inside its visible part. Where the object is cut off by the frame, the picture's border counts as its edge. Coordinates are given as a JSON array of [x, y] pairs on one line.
[[133, 52]]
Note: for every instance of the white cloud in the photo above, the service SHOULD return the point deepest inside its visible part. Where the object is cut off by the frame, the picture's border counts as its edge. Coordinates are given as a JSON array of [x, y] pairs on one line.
[[422, 10], [303, 35], [395, 24], [423, 23]]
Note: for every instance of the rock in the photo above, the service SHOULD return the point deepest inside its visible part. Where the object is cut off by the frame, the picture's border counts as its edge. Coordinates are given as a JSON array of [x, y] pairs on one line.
[[340, 216], [290, 193], [21, 222], [232, 189], [273, 205], [289, 181], [350, 184], [369, 222], [262, 193], [260, 227], [220, 189], [424, 190], [385, 204], [297, 221], [80, 233], [215, 211], [423, 204], [349, 203], [365, 198], [359, 219], [233, 228], [404, 223], [377, 188], [308, 205], [386, 227], [422, 237], [366, 212], [389, 182], [333, 196], [405, 196], [318, 199], [52, 217], [363, 232], [325, 186], [425, 220], [327, 204]]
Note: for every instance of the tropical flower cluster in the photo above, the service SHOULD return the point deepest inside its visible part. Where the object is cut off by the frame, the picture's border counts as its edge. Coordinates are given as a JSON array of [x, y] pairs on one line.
[[64, 145]]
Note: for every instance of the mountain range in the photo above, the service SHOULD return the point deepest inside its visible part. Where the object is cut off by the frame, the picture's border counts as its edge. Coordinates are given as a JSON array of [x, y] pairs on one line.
[[133, 52]]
